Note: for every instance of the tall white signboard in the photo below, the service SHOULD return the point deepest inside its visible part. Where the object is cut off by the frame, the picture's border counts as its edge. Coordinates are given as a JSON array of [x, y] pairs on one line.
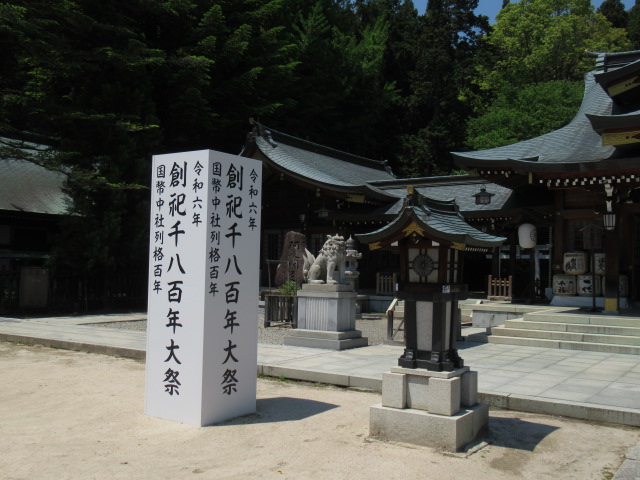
[[203, 287]]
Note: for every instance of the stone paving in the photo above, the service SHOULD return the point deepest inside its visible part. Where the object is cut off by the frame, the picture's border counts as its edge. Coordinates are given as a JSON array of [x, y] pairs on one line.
[[585, 385]]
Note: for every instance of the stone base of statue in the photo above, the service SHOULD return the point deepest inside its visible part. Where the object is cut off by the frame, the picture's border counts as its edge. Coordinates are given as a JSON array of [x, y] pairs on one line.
[[326, 318], [432, 409]]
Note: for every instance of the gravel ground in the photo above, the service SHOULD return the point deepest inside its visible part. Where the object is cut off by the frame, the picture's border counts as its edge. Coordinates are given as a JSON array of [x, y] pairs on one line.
[[372, 325]]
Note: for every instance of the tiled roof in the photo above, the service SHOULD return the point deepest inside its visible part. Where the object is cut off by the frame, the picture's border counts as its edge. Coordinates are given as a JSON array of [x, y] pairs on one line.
[[28, 187], [439, 220], [318, 163], [458, 188], [576, 142], [343, 171]]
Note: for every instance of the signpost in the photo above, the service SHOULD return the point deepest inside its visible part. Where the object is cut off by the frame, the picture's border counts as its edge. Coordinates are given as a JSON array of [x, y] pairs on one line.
[[203, 287]]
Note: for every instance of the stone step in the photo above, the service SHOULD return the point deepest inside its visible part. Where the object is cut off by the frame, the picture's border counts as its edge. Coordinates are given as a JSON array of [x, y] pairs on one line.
[[611, 320], [566, 336], [586, 328], [584, 346]]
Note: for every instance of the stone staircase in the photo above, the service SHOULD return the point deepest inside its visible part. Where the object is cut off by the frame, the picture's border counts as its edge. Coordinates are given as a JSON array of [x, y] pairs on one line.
[[575, 331]]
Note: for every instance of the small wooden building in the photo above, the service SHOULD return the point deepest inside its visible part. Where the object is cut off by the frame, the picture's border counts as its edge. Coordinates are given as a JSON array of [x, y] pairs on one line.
[[32, 202]]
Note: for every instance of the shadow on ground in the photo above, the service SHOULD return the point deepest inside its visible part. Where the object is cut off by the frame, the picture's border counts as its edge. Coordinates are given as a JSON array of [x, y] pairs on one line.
[[517, 433], [283, 409]]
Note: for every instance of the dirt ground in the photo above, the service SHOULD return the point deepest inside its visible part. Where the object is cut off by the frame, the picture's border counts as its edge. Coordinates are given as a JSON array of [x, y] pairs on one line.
[[80, 416]]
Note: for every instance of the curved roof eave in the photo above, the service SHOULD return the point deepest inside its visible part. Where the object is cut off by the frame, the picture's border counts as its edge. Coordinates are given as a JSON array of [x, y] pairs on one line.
[[365, 189], [601, 123], [576, 142], [610, 76], [283, 162], [385, 231], [455, 228], [585, 167]]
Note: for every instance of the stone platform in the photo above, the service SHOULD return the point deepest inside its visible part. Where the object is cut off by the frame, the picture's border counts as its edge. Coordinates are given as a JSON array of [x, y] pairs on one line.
[[327, 340], [432, 409], [326, 318]]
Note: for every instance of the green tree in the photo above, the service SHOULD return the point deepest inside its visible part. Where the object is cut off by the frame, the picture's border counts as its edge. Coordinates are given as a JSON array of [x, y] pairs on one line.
[[340, 85], [542, 40], [77, 78], [447, 48], [613, 10], [227, 60], [399, 64], [633, 25], [519, 113], [107, 84]]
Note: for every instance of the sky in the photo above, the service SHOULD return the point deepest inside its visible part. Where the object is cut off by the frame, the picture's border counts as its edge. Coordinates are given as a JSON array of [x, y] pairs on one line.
[[491, 7]]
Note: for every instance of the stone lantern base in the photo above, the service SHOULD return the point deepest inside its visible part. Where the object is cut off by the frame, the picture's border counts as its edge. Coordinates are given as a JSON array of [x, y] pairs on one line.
[[432, 409]]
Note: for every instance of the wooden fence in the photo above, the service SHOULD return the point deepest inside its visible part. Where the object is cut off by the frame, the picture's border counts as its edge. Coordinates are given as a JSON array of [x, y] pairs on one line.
[[499, 288], [385, 283]]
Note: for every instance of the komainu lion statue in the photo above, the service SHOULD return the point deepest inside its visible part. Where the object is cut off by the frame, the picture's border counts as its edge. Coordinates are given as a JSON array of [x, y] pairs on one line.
[[331, 256]]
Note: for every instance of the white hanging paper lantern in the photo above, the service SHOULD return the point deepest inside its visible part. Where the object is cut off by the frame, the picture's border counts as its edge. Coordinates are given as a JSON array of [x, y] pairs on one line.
[[527, 235]]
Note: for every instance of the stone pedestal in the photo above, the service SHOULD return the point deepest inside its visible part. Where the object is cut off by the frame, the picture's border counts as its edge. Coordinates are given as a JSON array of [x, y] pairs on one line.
[[326, 318], [432, 409]]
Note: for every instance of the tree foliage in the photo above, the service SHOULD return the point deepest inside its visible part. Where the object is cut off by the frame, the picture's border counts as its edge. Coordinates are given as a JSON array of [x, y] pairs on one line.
[[340, 88], [447, 43], [614, 12], [542, 40], [633, 25], [107, 84], [532, 75], [519, 113]]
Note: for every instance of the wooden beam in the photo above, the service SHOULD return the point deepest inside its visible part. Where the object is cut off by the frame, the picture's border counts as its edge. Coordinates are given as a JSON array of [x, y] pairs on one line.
[[577, 213], [621, 136], [623, 85], [355, 198]]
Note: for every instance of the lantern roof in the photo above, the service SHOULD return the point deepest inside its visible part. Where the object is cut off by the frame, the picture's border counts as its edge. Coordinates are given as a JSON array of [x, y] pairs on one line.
[[437, 220]]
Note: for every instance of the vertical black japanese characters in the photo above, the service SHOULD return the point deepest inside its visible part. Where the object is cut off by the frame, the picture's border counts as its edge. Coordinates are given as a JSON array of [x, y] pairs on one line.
[[202, 316]]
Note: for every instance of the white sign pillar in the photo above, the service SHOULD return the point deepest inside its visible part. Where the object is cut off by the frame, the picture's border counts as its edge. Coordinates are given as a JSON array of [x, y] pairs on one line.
[[202, 333]]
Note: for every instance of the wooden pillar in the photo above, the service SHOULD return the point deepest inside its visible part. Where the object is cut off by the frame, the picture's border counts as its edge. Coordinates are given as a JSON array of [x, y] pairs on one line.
[[513, 241], [558, 235], [442, 263], [532, 275], [451, 254], [612, 270], [404, 262], [495, 262]]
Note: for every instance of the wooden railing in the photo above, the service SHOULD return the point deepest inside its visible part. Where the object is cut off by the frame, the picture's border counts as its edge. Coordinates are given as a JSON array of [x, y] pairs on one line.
[[500, 288], [393, 312]]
